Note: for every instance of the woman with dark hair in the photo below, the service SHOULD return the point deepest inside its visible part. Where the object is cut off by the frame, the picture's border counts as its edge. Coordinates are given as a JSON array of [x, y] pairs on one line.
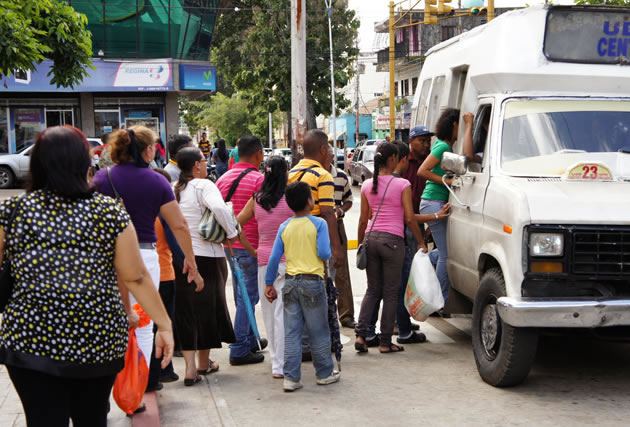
[[221, 157], [202, 318], [435, 194], [145, 194], [385, 208], [270, 209], [64, 332]]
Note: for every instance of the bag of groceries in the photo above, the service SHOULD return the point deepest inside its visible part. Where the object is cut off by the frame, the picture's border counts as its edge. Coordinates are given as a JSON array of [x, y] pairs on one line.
[[424, 294]]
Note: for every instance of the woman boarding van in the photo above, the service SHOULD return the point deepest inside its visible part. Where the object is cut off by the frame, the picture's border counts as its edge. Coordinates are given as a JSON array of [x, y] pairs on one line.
[[539, 235]]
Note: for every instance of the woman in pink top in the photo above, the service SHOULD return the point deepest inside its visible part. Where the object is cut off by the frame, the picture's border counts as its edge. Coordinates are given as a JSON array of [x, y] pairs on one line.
[[386, 246], [270, 209]]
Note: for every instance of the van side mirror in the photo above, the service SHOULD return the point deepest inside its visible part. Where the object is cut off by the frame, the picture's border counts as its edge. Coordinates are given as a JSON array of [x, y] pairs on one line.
[[454, 163]]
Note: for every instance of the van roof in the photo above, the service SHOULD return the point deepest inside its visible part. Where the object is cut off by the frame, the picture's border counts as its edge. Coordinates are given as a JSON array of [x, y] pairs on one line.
[[506, 56]]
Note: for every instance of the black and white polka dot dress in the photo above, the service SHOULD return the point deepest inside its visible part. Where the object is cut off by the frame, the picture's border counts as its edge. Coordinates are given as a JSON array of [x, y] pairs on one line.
[[65, 316]]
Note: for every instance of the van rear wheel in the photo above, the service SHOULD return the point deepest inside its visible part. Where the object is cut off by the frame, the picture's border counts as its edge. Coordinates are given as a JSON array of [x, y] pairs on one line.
[[503, 354]]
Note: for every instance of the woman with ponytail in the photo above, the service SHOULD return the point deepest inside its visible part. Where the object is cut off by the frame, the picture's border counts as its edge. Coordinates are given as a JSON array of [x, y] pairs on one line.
[[270, 209], [145, 194], [385, 208], [202, 319]]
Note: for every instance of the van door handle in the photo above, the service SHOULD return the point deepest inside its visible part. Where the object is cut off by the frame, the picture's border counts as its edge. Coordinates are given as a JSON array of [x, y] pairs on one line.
[[470, 179]]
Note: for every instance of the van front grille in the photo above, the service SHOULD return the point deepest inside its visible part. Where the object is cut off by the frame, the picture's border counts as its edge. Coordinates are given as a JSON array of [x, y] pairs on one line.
[[601, 252]]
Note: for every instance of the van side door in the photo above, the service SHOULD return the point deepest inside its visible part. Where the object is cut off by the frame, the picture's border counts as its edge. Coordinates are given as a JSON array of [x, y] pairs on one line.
[[466, 222]]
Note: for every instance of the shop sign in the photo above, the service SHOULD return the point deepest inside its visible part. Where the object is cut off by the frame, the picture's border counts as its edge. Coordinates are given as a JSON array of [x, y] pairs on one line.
[[197, 77], [109, 76], [27, 116], [139, 114]]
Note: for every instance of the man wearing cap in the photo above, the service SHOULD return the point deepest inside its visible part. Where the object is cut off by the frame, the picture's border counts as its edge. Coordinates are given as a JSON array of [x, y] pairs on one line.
[[419, 149]]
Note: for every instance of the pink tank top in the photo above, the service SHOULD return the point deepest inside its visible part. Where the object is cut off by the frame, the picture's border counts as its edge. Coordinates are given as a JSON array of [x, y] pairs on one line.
[[268, 225]]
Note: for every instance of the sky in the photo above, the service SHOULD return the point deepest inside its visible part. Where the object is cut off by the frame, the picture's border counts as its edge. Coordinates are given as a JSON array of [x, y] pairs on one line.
[[371, 11]]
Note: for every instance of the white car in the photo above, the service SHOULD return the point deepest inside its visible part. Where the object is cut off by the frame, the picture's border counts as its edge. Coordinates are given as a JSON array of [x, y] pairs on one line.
[[14, 167]]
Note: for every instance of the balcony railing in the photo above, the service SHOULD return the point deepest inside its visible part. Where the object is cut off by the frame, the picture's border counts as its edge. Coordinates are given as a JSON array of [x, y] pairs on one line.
[[401, 51]]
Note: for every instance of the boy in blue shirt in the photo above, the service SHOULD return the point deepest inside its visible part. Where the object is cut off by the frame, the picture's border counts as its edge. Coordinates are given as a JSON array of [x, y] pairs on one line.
[[304, 240]]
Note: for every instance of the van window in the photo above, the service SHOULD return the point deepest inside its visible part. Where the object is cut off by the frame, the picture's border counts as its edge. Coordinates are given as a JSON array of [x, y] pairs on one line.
[[422, 106], [546, 137], [434, 102], [458, 81]]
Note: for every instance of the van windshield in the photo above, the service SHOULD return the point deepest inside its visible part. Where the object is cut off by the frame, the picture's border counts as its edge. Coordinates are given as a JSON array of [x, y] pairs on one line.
[[546, 137]]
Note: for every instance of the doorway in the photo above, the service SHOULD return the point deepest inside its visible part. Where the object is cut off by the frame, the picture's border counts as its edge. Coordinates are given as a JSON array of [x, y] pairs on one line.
[[59, 117]]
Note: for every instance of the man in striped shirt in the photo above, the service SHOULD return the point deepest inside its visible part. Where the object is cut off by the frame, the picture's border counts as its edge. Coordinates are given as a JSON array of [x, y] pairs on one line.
[[251, 155], [343, 203]]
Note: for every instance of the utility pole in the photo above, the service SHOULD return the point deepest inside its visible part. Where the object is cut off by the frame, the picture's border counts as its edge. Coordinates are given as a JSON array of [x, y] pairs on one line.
[[356, 106], [298, 76], [490, 10], [271, 130], [392, 75], [332, 75]]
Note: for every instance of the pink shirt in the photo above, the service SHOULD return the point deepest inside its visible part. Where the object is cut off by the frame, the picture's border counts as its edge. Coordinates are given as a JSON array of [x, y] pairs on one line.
[[268, 225], [391, 218], [251, 183]]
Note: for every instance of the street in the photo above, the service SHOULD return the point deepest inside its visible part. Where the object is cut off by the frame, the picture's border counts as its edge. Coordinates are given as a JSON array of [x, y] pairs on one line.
[[576, 380]]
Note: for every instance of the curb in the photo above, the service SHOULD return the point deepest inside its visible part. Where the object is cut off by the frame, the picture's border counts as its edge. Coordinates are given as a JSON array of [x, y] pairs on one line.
[[353, 244], [150, 417]]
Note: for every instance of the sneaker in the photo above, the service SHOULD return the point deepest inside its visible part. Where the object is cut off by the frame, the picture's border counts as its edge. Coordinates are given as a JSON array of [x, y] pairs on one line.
[[414, 338], [263, 345], [333, 378], [290, 385], [249, 359]]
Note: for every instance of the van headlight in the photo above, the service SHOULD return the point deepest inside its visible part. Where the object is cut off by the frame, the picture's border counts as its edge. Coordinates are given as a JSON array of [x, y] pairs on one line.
[[546, 244]]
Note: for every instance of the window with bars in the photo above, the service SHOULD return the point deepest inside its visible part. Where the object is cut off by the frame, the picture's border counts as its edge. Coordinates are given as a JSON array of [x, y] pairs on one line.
[[448, 31]]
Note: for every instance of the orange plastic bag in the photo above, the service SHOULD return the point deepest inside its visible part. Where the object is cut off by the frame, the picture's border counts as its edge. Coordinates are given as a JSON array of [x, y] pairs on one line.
[[144, 317], [132, 380]]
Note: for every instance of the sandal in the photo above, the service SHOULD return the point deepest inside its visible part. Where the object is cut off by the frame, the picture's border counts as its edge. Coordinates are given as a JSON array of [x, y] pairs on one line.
[[212, 367], [190, 382], [393, 348], [361, 347]]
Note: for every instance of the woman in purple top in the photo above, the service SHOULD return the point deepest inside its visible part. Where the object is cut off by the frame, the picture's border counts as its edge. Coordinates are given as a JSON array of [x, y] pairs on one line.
[[386, 203], [270, 209], [145, 194]]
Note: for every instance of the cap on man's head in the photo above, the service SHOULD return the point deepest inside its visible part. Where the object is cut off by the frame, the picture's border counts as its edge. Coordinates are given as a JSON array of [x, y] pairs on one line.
[[420, 131]]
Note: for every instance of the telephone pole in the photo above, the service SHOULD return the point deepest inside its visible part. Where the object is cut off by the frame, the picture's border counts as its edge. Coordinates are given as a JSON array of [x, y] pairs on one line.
[[298, 76], [356, 106]]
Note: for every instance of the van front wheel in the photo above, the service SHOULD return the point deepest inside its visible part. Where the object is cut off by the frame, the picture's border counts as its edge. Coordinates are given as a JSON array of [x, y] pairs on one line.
[[503, 354]]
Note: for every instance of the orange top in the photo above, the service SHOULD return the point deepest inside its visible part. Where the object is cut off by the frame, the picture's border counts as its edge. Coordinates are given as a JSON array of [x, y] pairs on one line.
[[164, 253]]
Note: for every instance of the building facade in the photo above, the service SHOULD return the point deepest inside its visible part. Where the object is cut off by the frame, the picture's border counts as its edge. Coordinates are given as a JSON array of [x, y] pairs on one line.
[[146, 54]]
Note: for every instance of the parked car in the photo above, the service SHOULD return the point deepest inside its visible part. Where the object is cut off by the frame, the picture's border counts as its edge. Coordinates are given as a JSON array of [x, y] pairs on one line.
[[341, 164], [284, 152], [369, 142], [267, 152], [362, 164], [14, 167]]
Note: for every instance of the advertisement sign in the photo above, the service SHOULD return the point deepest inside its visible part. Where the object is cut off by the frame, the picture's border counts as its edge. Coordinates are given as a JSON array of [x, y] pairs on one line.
[[197, 77], [109, 76]]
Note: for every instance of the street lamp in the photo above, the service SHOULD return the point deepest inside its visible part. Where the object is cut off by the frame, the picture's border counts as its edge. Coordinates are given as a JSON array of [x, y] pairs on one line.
[[332, 75]]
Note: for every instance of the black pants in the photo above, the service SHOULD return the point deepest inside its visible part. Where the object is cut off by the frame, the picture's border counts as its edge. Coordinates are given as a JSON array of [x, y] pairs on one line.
[[167, 292], [51, 401]]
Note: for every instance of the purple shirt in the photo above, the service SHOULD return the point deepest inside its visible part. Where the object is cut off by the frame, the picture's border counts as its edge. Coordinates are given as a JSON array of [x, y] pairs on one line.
[[143, 192]]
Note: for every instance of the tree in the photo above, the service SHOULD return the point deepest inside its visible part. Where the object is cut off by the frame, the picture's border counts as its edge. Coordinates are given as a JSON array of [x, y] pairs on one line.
[[228, 117], [252, 49], [34, 30]]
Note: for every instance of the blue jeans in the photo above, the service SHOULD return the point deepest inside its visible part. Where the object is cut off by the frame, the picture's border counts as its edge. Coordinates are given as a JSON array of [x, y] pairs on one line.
[[438, 229], [306, 309], [245, 338]]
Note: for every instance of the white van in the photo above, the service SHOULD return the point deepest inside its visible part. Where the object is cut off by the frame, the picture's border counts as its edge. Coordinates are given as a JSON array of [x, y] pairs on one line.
[[539, 235]]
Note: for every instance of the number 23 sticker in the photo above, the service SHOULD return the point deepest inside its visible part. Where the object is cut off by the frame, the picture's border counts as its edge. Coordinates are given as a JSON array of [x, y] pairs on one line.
[[589, 172]]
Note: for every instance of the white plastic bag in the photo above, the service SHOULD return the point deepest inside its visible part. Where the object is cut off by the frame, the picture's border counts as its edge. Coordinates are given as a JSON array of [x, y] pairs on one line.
[[424, 294]]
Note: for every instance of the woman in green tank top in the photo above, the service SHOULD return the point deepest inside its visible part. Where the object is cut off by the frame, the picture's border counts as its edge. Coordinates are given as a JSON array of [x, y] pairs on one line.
[[435, 194]]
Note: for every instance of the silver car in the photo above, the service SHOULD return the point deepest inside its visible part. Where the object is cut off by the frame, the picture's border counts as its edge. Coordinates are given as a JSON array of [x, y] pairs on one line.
[[14, 167], [362, 164]]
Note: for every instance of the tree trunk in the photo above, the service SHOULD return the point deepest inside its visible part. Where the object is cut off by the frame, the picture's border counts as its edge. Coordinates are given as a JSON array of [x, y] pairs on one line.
[[311, 121]]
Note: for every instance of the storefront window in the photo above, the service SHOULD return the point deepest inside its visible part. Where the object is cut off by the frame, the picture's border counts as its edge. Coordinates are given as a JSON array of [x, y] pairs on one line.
[[4, 131], [106, 121], [149, 117], [28, 124]]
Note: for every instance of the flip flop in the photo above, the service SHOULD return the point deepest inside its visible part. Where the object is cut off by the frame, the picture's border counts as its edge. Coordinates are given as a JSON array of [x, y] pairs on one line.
[[398, 348], [190, 382], [210, 368]]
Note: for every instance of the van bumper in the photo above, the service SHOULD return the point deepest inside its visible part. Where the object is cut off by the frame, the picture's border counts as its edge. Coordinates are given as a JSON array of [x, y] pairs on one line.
[[564, 313]]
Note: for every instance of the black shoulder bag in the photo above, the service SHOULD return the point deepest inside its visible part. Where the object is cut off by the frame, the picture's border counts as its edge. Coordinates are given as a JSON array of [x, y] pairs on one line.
[[6, 280]]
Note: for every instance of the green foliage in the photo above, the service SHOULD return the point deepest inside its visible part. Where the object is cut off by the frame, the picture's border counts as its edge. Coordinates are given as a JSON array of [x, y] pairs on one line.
[[34, 30], [604, 2], [252, 49]]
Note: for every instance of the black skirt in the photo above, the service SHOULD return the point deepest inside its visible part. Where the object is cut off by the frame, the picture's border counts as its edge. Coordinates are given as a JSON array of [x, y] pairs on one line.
[[202, 318]]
